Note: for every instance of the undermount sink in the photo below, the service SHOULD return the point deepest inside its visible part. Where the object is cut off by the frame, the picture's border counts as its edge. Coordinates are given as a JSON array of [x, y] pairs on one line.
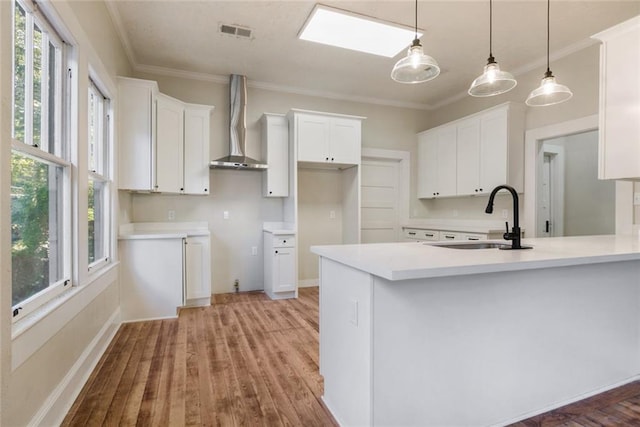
[[470, 245]]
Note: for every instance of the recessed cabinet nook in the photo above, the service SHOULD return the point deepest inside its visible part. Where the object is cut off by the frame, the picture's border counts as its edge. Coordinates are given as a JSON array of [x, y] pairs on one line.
[[472, 155], [164, 142], [619, 137]]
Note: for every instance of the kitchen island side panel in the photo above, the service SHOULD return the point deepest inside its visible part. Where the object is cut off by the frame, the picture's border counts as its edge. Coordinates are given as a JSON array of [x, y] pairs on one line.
[[345, 342], [493, 348]]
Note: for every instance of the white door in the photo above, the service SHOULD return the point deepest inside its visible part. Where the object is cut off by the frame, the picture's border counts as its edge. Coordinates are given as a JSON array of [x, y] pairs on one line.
[[345, 141], [551, 192], [380, 201], [544, 204]]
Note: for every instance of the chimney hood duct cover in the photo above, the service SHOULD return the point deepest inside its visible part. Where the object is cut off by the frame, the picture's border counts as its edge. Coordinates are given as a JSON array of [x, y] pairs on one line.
[[237, 129]]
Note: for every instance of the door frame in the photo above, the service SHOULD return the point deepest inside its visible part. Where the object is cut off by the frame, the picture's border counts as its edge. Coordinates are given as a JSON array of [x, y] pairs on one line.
[[534, 139], [556, 195], [404, 160]]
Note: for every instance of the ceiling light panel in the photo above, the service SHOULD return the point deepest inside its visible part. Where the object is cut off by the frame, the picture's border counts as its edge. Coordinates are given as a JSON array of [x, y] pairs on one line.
[[349, 30]]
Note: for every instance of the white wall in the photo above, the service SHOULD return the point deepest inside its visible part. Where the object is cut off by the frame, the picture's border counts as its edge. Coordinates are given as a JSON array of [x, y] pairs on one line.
[[64, 344], [239, 192]]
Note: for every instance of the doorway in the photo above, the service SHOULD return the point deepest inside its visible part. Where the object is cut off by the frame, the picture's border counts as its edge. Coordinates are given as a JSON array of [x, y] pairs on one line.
[[572, 201], [591, 206]]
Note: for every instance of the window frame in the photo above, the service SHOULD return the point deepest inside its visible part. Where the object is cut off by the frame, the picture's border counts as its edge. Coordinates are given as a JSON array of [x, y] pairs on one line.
[[52, 151], [102, 163]]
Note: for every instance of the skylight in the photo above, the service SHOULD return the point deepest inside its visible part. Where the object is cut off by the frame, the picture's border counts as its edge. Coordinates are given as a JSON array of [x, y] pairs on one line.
[[349, 30]]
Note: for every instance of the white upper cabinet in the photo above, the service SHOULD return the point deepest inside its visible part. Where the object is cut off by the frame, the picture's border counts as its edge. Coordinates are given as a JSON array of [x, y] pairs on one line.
[[619, 148], [136, 134], [488, 150], [170, 144], [327, 138], [275, 151], [437, 163], [196, 148], [163, 142]]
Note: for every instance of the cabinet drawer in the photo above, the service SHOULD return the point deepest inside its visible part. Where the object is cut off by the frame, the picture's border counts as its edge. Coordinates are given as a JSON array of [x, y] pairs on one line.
[[421, 234], [284, 241]]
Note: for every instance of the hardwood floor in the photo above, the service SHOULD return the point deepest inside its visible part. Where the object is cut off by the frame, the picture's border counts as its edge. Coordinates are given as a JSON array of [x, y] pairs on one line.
[[244, 361], [250, 361]]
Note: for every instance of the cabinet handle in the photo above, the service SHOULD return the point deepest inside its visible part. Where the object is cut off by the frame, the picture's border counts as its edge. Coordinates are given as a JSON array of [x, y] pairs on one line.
[[332, 159], [476, 190], [276, 251], [481, 189], [326, 158], [449, 237], [428, 235], [270, 192], [284, 241], [412, 234], [182, 189], [206, 190]]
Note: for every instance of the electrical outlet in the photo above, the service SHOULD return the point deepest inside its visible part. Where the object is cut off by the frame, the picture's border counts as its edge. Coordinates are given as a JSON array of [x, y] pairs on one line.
[[455, 212], [254, 250], [225, 215], [636, 199], [505, 213], [332, 214], [171, 214]]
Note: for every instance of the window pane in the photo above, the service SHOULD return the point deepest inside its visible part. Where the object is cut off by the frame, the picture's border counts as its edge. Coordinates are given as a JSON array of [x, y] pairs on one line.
[[92, 130], [97, 224], [37, 86], [52, 86], [36, 226], [19, 35]]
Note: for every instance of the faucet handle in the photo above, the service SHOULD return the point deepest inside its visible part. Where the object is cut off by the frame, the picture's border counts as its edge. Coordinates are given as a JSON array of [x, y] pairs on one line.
[[506, 224], [507, 235]]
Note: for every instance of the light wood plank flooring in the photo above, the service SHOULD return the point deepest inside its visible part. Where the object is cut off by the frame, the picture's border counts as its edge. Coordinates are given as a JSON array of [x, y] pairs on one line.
[[244, 361], [250, 361]]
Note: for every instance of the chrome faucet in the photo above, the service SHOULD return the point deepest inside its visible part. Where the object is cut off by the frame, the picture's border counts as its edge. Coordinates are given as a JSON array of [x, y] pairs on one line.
[[515, 233]]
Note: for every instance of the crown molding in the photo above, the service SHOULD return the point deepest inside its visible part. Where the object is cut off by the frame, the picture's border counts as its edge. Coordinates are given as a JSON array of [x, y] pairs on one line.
[[216, 78], [122, 33]]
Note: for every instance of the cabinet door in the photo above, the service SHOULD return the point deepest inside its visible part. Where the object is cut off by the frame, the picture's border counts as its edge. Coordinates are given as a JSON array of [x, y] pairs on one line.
[[284, 270], [427, 165], [136, 124], [312, 136], [196, 150], [275, 148], [619, 150], [197, 268], [447, 162], [468, 157], [345, 141], [493, 150], [170, 145]]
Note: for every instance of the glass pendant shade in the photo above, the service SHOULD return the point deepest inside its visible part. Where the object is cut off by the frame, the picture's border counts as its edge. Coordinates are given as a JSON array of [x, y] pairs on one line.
[[416, 67], [493, 81], [548, 93]]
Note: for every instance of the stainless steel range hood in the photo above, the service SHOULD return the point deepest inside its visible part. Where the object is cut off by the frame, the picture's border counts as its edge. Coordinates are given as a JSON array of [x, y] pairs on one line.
[[237, 130]]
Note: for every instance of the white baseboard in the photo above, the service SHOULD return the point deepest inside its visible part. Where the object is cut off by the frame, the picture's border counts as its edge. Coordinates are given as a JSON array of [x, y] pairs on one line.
[[307, 283], [57, 405]]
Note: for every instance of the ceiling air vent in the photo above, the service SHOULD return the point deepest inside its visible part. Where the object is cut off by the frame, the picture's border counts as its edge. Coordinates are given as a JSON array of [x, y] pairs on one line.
[[234, 30]]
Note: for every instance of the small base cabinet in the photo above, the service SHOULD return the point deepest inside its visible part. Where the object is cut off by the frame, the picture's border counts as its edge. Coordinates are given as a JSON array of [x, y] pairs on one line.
[[197, 271], [280, 266]]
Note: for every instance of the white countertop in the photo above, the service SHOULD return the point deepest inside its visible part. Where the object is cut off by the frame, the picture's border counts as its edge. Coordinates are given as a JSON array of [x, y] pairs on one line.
[[414, 260], [162, 230], [278, 228], [460, 225]]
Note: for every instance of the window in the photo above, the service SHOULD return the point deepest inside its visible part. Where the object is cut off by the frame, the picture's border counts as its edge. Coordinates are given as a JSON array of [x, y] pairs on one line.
[[99, 184], [40, 167]]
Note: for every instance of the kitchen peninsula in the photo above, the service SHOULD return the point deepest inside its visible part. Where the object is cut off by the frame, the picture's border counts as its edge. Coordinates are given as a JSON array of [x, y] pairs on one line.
[[415, 334]]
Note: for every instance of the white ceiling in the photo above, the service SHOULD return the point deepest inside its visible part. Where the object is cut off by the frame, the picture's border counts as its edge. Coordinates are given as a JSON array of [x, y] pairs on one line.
[[165, 36]]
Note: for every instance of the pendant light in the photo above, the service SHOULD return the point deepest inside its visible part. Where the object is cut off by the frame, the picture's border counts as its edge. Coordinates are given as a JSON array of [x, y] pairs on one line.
[[493, 81], [416, 67], [549, 92]]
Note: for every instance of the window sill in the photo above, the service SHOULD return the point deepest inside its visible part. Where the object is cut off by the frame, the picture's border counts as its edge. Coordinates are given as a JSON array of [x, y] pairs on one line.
[[35, 329]]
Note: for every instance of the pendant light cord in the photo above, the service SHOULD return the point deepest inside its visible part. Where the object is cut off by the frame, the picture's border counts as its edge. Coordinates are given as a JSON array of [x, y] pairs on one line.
[[490, 29], [548, 25], [416, 27]]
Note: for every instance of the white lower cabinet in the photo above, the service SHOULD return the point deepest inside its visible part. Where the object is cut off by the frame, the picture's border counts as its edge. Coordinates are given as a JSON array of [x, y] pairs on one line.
[[197, 272], [162, 270], [422, 235], [279, 265]]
